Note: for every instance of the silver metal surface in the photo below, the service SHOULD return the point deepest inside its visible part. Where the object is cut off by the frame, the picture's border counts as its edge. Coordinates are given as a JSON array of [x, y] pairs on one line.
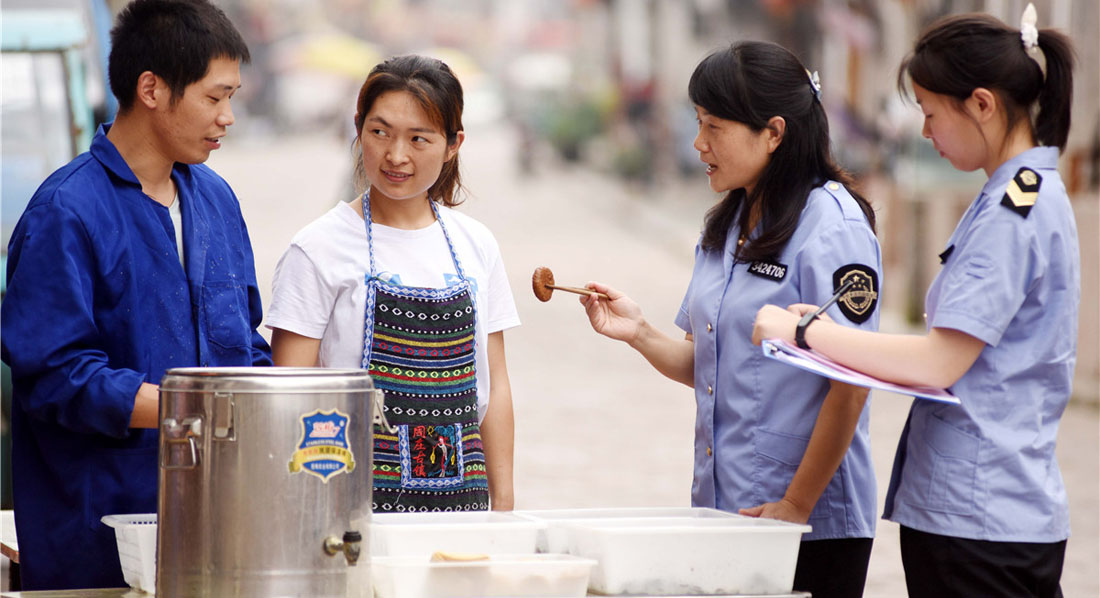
[[234, 517]]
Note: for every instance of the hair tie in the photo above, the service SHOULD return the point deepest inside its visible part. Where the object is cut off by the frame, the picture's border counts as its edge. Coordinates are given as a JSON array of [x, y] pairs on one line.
[[1029, 37], [815, 84]]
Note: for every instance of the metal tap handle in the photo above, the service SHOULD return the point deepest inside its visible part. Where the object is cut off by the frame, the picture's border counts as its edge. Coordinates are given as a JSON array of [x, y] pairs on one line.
[[379, 416], [353, 543]]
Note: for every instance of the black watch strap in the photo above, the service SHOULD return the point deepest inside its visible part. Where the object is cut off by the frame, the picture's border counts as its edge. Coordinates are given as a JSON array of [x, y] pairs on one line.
[[800, 330]]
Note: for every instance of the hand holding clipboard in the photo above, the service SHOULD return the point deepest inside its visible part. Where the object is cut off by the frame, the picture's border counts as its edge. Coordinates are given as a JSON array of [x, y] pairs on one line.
[[802, 356]]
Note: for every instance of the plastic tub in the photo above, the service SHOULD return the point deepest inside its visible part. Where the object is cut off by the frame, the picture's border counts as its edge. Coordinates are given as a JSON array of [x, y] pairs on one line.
[[554, 538], [480, 532], [137, 548], [688, 555], [517, 575]]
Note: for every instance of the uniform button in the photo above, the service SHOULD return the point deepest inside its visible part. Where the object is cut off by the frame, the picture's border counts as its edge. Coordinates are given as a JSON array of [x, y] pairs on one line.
[[709, 452], [710, 389], [834, 186], [926, 316], [709, 328]]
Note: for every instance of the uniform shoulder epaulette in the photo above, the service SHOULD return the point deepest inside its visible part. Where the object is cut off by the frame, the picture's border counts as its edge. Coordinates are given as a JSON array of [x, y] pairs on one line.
[[1022, 191]]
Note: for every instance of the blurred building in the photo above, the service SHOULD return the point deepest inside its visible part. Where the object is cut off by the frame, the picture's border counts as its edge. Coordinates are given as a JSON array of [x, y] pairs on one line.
[[649, 47], [643, 51]]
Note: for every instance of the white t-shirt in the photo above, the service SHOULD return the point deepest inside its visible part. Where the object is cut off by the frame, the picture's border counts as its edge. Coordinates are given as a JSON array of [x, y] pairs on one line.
[[319, 288]]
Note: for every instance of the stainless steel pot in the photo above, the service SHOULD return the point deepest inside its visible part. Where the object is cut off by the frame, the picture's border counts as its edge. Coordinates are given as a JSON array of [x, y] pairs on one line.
[[265, 481]]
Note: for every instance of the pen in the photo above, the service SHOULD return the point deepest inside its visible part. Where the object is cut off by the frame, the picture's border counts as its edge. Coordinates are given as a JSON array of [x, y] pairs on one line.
[[800, 330]]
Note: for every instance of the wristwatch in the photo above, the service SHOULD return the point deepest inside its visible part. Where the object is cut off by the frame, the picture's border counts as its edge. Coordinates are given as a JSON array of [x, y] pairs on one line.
[[800, 329]]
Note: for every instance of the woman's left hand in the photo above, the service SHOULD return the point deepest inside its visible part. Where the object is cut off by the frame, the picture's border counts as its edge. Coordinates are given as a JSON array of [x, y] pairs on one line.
[[783, 510]]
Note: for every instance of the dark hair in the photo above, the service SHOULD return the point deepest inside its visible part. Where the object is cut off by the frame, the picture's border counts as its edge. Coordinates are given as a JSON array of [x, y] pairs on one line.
[[437, 89], [958, 54], [750, 82], [173, 39]]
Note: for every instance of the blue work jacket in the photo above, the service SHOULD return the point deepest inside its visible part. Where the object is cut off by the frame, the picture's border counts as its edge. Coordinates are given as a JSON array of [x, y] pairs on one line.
[[98, 303], [986, 469], [755, 415]]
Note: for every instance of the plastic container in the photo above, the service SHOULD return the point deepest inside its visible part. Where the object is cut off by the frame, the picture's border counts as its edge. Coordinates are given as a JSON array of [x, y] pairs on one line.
[[554, 538], [519, 575], [479, 532], [688, 555], [137, 548]]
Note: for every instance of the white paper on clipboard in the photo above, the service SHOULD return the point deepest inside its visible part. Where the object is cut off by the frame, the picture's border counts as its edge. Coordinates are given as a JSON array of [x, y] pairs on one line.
[[781, 350]]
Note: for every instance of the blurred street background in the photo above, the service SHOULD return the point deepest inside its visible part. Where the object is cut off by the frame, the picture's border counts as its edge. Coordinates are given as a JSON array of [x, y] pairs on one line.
[[578, 157]]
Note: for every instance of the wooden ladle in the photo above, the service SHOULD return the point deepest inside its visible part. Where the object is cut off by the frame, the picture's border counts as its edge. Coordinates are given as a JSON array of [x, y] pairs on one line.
[[542, 282]]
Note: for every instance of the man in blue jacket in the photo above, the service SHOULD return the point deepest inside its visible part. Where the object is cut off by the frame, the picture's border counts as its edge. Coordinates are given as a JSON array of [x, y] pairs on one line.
[[131, 259]]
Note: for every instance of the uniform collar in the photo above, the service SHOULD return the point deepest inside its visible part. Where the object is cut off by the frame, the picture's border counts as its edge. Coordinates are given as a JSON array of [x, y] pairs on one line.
[[103, 150], [1040, 158]]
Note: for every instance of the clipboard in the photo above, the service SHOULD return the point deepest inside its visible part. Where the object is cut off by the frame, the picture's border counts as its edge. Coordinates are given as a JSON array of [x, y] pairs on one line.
[[810, 361]]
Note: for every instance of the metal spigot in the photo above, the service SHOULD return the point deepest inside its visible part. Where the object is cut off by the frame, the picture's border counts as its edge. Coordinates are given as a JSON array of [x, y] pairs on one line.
[[350, 546]]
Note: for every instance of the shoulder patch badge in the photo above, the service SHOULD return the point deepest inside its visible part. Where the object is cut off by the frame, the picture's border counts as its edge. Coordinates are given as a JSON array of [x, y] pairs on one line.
[[770, 270], [858, 304], [946, 254], [1022, 191]]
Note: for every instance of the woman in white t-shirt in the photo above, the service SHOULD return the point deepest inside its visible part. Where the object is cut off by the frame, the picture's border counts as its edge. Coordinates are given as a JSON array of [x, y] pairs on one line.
[[399, 283]]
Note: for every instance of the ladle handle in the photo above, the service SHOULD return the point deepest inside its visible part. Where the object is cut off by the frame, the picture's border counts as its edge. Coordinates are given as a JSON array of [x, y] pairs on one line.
[[579, 291]]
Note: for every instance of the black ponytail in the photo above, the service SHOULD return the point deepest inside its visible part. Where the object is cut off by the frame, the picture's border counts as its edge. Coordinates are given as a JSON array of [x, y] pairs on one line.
[[749, 83], [1052, 122], [958, 54]]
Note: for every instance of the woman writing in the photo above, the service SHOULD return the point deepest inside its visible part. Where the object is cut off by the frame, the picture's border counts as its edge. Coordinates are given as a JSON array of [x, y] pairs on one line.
[[976, 487], [399, 283], [770, 441]]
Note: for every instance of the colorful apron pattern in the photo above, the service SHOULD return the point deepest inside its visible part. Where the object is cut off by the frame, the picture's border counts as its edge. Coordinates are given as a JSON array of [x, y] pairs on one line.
[[419, 347]]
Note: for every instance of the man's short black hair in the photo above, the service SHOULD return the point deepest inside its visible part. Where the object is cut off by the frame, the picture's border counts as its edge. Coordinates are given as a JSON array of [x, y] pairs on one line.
[[173, 39]]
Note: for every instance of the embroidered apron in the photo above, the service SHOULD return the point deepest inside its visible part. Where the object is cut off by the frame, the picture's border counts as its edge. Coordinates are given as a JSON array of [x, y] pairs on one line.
[[419, 347]]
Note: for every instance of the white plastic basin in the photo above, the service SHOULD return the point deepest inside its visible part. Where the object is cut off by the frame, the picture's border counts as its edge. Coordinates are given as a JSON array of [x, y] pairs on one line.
[[481, 532], [136, 536], [554, 537], [522, 575], [688, 555]]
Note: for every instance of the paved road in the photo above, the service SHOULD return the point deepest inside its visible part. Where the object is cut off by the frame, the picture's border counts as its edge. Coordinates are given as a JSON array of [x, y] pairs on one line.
[[595, 425]]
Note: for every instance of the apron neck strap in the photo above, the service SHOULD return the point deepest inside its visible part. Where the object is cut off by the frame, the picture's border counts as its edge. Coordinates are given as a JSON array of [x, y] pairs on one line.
[[365, 201]]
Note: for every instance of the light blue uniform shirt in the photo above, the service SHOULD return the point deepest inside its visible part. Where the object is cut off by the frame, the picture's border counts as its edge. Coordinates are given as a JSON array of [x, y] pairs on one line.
[[755, 415], [986, 469]]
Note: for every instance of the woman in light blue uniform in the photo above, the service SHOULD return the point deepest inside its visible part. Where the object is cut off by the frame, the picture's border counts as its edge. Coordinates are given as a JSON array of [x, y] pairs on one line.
[[976, 487], [771, 441]]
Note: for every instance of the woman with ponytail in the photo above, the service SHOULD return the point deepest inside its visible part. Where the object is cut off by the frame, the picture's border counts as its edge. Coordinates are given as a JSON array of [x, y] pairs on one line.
[[976, 486], [771, 441], [401, 284]]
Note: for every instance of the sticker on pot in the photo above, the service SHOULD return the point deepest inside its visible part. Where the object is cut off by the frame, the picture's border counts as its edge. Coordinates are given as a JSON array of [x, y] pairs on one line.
[[323, 449]]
